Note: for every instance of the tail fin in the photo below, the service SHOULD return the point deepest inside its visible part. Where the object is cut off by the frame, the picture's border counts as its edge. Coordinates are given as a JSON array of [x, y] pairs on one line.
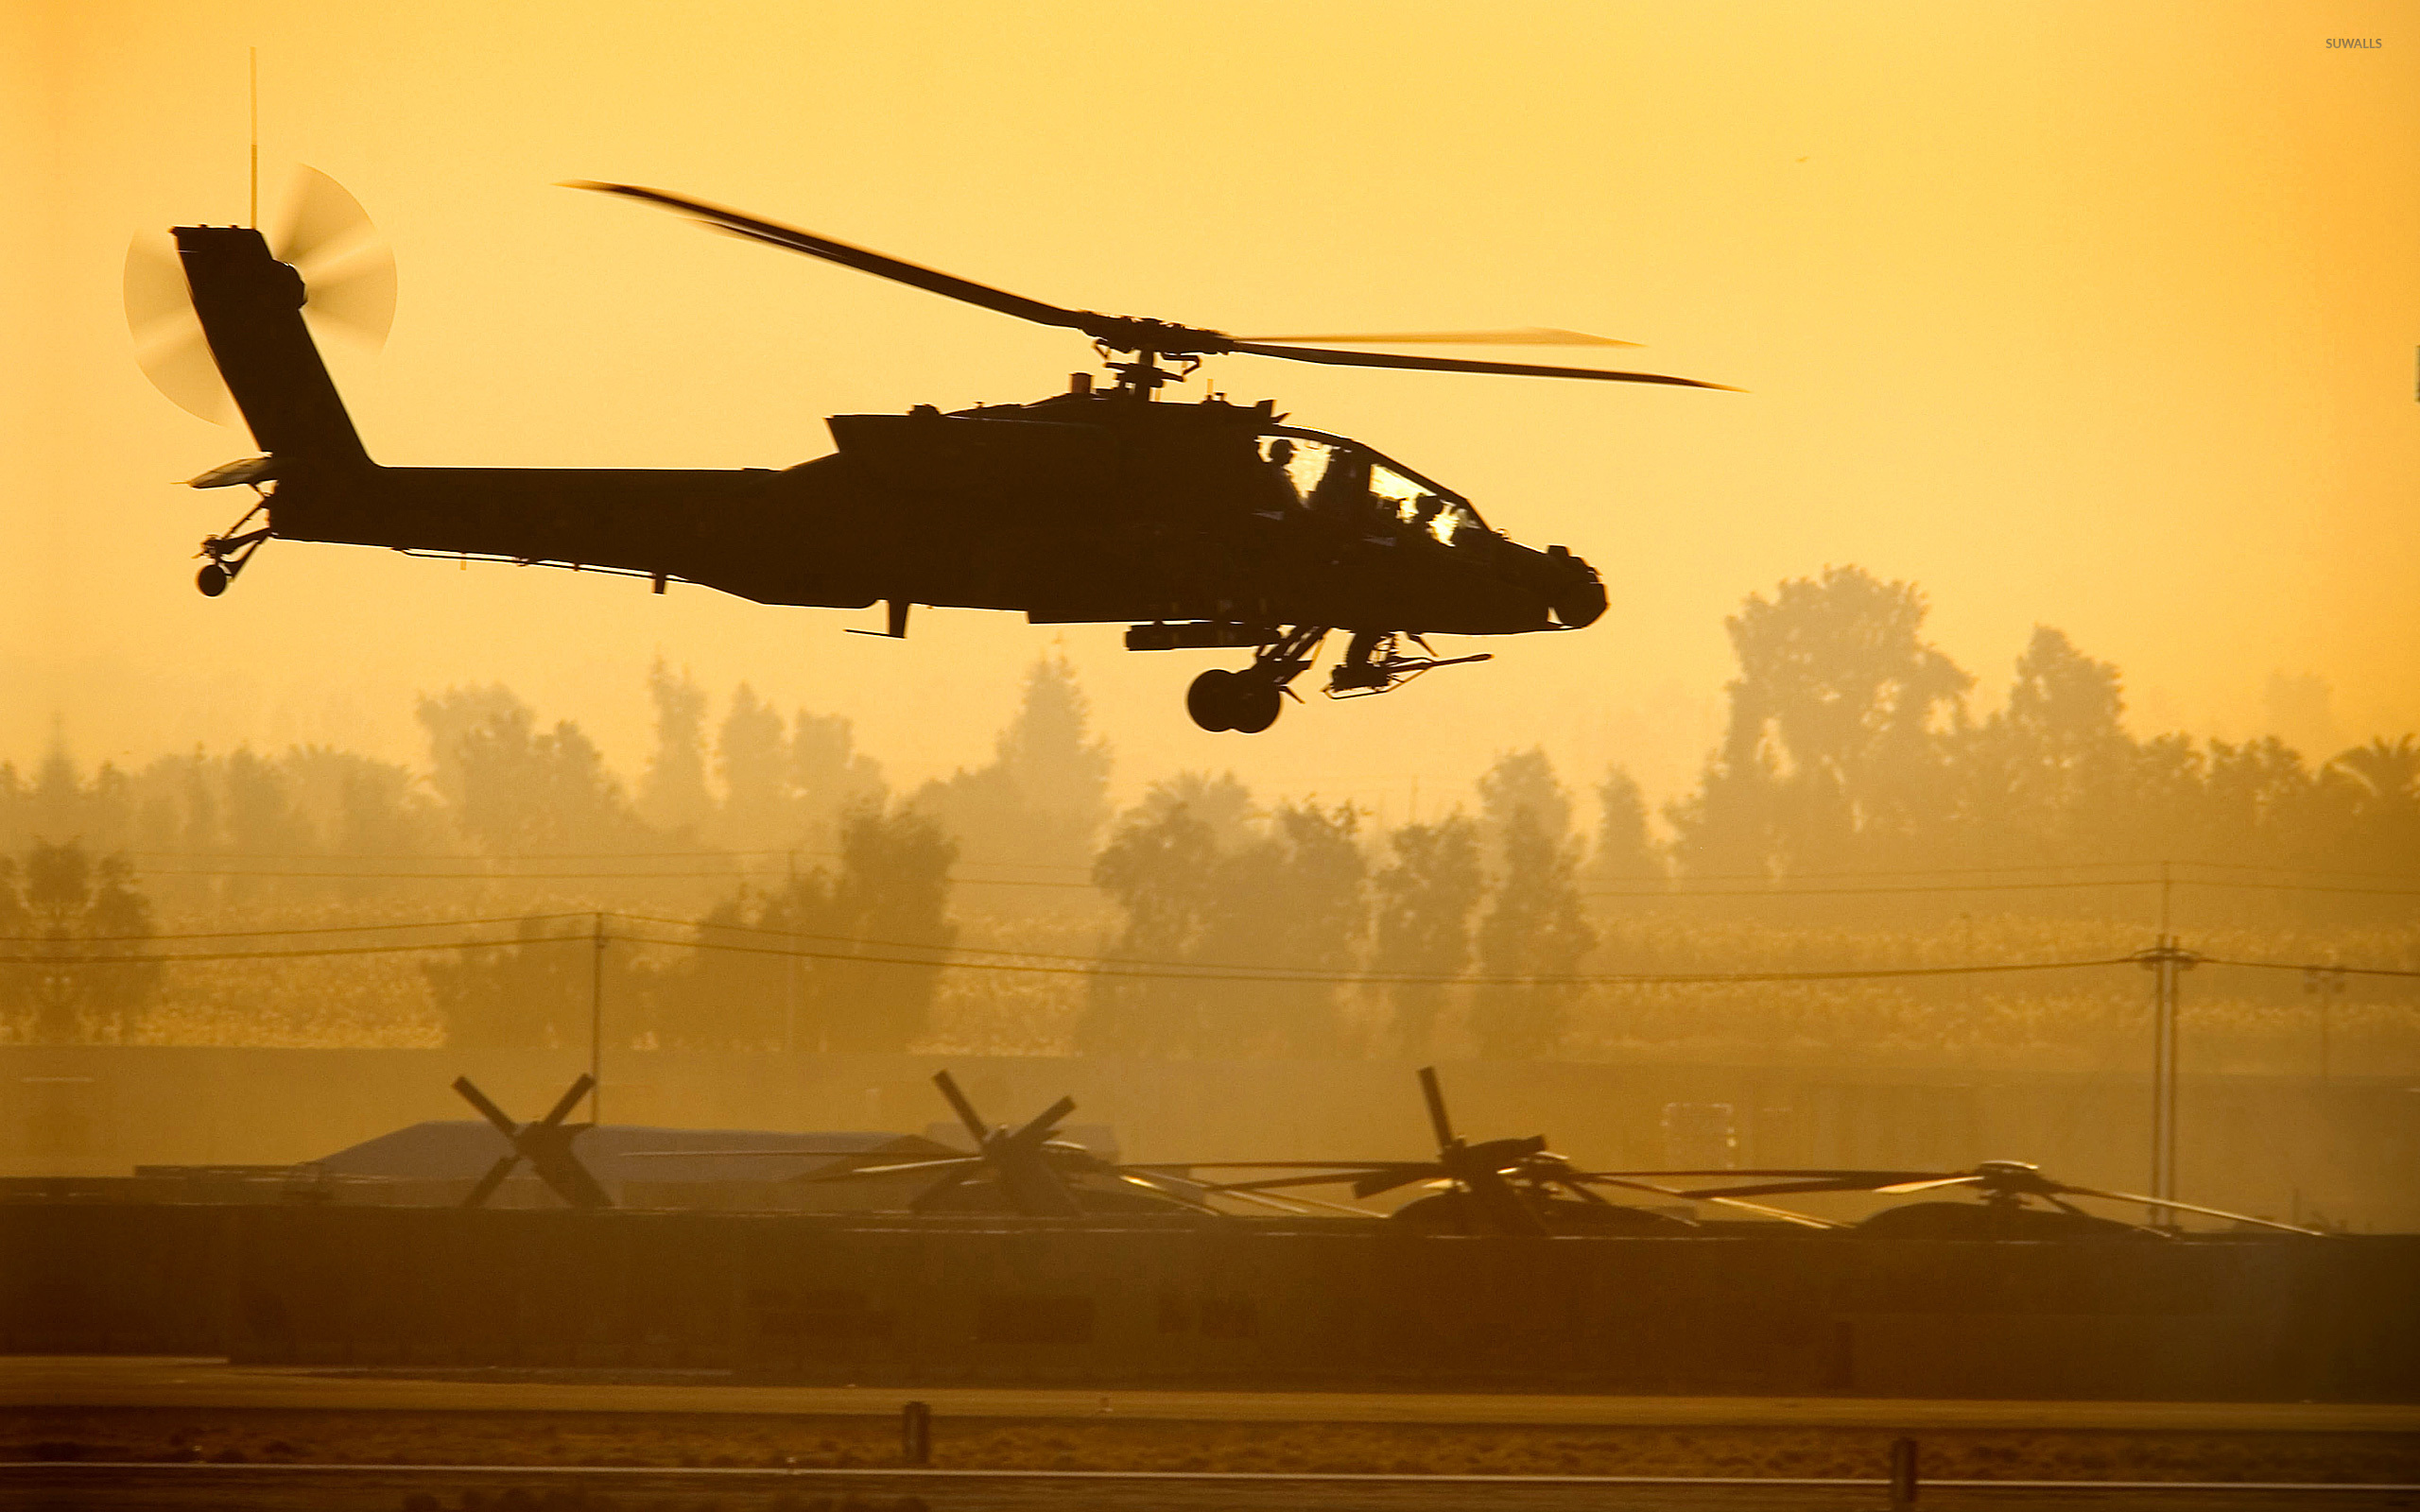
[[250, 306]]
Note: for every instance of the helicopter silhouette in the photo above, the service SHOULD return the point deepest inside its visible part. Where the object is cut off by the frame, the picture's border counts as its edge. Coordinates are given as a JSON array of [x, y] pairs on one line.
[[1208, 526]]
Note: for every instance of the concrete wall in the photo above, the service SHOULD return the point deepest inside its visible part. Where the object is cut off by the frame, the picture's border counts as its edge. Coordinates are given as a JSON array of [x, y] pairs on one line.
[[1303, 1303], [2343, 1149]]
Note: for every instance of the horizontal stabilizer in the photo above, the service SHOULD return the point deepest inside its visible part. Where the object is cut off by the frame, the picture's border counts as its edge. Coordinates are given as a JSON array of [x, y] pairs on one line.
[[250, 469]]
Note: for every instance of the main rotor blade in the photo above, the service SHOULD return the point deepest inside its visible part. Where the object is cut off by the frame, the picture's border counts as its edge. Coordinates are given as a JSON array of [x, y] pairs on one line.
[[1534, 336], [1435, 1095], [965, 1110], [2188, 1207], [487, 1109], [569, 1100], [1518, 370], [863, 259]]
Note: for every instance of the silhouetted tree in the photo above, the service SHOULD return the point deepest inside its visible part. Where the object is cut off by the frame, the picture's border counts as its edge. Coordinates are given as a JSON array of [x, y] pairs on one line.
[[829, 776], [1424, 900], [672, 795], [1624, 850], [74, 914], [537, 993], [1045, 794], [1160, 866], [893, 893], [1534, 925], [1830, 751], [759, 811]]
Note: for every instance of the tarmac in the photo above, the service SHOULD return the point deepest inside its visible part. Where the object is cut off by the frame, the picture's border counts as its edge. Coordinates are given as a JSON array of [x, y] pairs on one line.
[[111, 1381]]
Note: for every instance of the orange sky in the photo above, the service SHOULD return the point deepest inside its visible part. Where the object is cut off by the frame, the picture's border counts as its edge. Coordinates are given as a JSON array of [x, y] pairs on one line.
[[2101, 316]]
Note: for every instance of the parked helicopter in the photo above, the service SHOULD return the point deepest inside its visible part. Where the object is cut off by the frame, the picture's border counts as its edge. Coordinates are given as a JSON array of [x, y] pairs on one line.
[[1208, 526]]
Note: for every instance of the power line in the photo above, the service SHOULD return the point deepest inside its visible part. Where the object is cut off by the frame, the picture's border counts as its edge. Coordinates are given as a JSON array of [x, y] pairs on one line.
[[1679, 887], [2291, 966], [1247, 975], [1064, 865]]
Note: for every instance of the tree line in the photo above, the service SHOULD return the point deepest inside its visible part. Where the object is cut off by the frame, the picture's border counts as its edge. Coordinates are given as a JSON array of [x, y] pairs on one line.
[[1851, 746]]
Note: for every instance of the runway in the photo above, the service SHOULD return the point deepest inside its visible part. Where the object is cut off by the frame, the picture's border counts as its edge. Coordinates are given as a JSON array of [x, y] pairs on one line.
[[215, 1489]]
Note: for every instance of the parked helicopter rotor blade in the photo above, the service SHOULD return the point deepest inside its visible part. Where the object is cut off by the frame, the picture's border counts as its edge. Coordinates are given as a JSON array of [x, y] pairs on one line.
[[488, 1110], [864, 260], [734, 1155], [569, 1100], [1759, 1189], [1524, 337], [897, 1169], [1899, 1189], [949, 1183], [2188, 1207], [1332, 1178], [1378, 1182], [494, 1179], [1803, 1220], [1517, 369], [569, 1179], [1435, 1097], [1038, 1126], [965, 1110]]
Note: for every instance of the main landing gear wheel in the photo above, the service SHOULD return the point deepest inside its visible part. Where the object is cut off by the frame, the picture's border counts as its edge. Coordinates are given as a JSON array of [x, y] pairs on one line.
[[1208, 701], [1221, 700]]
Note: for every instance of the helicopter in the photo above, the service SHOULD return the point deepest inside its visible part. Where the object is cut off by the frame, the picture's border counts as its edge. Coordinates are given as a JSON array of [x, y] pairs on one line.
[[1211, 525]]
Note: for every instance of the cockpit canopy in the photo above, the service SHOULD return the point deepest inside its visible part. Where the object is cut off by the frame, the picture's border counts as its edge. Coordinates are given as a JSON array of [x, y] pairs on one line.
[[1328, 474]]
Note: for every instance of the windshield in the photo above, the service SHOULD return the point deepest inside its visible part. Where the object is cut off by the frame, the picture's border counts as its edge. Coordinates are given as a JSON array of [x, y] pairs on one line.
[[1344, 479], [1416, 504]]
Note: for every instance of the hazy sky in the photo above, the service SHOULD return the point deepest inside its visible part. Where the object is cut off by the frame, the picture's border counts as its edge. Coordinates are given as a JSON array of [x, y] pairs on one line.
[[2097, 315]]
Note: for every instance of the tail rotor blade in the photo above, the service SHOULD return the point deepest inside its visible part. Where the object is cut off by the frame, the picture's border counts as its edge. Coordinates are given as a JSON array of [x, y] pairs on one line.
[[357, 298], [322, 220], [169, 345], [1436, 1097], [183, 369]]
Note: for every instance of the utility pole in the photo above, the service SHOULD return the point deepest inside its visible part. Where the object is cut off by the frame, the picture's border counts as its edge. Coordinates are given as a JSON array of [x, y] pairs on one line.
[[789, 968], [2167, 962], [597, 1019]]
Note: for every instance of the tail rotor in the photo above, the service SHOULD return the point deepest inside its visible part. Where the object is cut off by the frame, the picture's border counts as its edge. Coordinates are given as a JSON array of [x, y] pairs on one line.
[[349, 288]]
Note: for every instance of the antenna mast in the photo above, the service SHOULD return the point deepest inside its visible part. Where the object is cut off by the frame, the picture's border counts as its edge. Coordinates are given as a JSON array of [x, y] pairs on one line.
[[255, 219]]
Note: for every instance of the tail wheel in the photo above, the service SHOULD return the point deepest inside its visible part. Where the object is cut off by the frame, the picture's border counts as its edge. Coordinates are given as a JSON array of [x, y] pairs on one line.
[[1211, 700]]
